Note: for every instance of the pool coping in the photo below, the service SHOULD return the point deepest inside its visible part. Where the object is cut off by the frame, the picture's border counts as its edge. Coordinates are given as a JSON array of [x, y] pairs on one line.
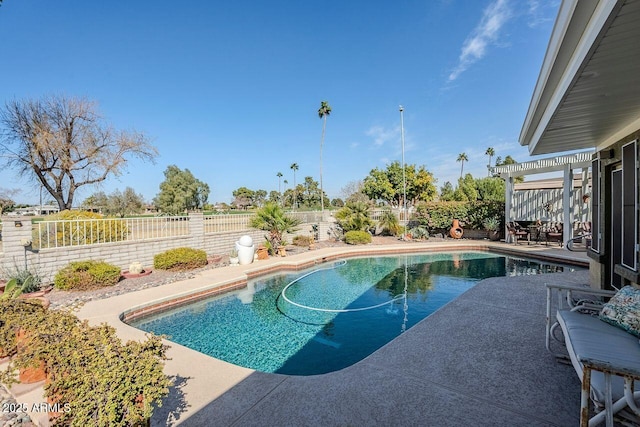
[[208, 378], [219, 288]]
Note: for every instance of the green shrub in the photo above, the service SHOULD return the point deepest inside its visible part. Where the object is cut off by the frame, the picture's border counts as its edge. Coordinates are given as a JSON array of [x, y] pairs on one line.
[[96, 378], [357, 237], [14, 312], [303, 241], [82, 275], [440, 215], [180, 259]]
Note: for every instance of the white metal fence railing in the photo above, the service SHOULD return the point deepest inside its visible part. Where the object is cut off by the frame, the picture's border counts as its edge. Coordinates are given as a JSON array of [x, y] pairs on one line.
[[313, 217], [376, 214], [223, 223], [239, 222], [82, 232]]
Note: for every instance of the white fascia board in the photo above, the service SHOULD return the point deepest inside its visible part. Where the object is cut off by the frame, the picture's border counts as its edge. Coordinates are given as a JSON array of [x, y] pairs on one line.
[[594, 27], [550, 58]]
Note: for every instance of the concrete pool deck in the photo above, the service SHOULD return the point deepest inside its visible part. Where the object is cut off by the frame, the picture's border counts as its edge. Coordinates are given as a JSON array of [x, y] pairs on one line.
[[480, 360]]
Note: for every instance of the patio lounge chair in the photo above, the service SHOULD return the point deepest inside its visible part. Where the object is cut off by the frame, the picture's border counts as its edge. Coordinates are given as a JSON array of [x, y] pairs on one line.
[[517, 232], [554, 233], [605, 357]]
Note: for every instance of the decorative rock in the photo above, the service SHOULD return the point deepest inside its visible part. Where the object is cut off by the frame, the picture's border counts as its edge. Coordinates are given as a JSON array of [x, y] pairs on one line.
[[135, 268]]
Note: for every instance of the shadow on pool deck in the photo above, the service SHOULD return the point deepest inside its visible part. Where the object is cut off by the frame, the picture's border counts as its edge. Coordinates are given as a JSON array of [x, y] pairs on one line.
[[479, 360]]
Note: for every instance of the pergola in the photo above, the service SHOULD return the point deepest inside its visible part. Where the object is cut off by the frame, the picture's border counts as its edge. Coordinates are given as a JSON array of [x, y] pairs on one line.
[[554, 164]]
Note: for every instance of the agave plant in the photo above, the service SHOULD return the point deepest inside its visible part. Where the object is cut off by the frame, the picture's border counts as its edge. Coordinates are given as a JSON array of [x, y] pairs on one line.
[[21, 281], [491, 224], [11, 290]]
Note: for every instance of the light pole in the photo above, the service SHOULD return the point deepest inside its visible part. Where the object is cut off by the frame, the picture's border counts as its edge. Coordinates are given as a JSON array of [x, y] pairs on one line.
[[404, 178]]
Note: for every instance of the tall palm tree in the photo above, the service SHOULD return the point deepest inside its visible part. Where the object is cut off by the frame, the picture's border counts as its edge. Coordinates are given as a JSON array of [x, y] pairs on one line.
[[490, 152], [294, 167], [462, 157], [279, 175], [323, 113]]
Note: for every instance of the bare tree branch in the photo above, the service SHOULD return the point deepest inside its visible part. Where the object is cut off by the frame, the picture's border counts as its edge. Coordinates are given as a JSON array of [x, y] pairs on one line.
[[65, 144]]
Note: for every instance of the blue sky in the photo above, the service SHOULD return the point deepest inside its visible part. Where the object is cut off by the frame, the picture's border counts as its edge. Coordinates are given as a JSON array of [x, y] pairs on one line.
[[230, 90]]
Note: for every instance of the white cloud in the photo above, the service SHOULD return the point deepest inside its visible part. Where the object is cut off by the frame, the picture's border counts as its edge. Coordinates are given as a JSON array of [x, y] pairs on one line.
[[486, 33], [381, 135], [540, 11]]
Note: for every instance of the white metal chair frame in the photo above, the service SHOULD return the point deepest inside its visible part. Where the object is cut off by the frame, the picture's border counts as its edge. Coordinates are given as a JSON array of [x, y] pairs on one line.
[[590, 301]]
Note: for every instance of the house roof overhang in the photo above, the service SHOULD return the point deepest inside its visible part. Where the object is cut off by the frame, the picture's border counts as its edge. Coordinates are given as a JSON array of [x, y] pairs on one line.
[[588, 91]]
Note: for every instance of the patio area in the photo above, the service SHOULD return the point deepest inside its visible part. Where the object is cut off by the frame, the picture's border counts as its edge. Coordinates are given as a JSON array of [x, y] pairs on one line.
[[480, 360]]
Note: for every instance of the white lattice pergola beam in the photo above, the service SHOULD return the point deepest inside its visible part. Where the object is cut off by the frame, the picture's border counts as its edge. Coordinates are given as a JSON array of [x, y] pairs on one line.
[[566, 164], [552, 164]]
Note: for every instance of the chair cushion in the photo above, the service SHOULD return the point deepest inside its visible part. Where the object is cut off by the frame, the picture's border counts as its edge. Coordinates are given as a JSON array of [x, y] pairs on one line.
[[623, 310], [588, 337]]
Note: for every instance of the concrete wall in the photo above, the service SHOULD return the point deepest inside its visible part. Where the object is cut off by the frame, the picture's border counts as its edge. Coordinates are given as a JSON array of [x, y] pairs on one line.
[[17, 251]]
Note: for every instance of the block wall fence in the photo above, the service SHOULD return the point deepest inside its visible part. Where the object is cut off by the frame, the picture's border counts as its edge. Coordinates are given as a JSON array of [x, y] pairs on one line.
[[18, 253]]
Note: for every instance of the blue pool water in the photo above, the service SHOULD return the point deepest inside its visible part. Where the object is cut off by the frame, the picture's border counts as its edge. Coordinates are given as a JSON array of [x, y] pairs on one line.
[[257, 328]]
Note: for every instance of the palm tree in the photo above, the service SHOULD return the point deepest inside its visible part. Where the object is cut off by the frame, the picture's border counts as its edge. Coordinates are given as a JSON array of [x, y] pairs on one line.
[[273, 219], [323, 113], [294, 167], [279, 175], [490, 152], [462, 157]]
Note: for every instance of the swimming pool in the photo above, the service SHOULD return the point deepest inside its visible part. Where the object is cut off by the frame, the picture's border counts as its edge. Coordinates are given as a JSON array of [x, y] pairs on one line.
[[332, 315]]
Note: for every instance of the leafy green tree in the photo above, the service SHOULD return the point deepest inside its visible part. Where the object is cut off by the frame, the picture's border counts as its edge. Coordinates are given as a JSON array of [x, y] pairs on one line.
[[124, 203], [311, 193], [117, 203], [181, 191], [337, 202], [490, 152], [462, 157], [354, 217], [421, 185], [466, 190], [388, 185], [96, 201], [491, 189], [259, 197], [243, 197], [64, 144], [274, 197], [323, 112], [272, 218], [446, 192], [378, 186]]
